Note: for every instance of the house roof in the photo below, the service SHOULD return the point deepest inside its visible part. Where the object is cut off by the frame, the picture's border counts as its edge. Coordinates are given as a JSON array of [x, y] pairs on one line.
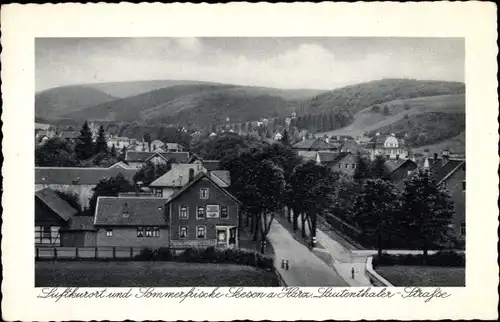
[[79, 176], [173, 146], [442, 170], [110, 211], [71, 134], [378, 141], [196, 179], [221, 177], [393, 165], [56, 203], [325, 156], [211, 165], [42, 126], [339, 157], [157, 143], [352, 146], [314, 144], [81, 223], [178, 176], [133, 156]]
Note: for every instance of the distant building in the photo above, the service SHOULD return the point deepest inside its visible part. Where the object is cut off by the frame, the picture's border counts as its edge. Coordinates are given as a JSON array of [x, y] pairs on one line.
[[344, 162], [399, 170], [388, 146], [118, 142], [138, 159], [278, 136]]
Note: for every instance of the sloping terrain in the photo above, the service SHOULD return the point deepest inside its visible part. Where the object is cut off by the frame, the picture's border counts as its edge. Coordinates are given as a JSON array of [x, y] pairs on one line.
[[54, 102], [370, 119], [455, 144]]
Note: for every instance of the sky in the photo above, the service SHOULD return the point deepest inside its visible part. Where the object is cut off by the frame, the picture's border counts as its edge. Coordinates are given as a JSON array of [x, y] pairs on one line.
[[288, 63]]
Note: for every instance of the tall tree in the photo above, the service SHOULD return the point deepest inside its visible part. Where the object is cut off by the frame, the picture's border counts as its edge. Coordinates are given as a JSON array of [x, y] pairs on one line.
[[362, 170], [71, 198], [85, 146], [101, 146], [113, 151], [285, 139], [376, 209], [56, 152], [109, 187], [378, 169], [428, 212]]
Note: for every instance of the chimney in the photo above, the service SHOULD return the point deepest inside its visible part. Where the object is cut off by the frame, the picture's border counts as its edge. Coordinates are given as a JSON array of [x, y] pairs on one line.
[[180, 179], [191, 174]]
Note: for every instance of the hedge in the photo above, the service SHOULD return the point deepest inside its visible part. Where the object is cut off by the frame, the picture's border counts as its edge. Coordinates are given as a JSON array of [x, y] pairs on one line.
[[208, 255], [443, 258]]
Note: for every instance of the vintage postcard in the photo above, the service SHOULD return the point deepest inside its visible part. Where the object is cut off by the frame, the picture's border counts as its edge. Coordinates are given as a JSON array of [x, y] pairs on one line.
[[249, 161]]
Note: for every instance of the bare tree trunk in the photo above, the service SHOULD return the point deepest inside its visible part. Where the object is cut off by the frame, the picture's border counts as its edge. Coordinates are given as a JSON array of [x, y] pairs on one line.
[[257, 228], [247, 219], [313, 222], [289, 214], [295, 222], [303, 218], [379, 245]]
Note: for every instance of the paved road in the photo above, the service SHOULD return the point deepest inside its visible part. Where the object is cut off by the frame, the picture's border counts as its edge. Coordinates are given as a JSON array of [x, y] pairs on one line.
[[306, 269]]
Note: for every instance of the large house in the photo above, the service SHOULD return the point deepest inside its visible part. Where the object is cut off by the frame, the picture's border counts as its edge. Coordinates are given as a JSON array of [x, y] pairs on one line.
[[138, 159], [388, 146], [344, 162], [308, 148], [203, 214], [78, 180]]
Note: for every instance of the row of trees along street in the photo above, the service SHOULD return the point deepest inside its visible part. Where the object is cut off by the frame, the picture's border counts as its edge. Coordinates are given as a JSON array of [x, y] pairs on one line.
[[266, 178]]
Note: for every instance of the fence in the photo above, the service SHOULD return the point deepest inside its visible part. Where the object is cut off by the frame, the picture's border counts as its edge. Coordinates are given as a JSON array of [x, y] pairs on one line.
[[374, 277], [87, 252]]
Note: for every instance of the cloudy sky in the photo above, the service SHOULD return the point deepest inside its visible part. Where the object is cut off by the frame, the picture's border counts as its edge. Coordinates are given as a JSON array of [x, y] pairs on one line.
[[319, 63]]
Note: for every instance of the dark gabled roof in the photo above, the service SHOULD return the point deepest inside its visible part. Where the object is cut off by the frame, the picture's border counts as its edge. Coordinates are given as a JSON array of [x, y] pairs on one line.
[[178, 176], [58, 205], [79, 176], [133, 156], [393, 165], [223, 176], [211, 165], [325, 156], [352, 146], [442, 170], [141, 211], [81, 223], [339, 157], [196, 179], [314, 144]]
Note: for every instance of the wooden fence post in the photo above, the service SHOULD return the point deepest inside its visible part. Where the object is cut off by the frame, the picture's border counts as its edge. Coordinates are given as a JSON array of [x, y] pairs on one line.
[[131, 252], [114, 252], [37, 255], [96, 253], [55, 252], [76, 252]]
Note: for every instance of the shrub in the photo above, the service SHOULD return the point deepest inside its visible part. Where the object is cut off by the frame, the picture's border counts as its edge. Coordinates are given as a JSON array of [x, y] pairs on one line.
[[146, 254], [163, 254], [210, 255], [443, 258], [191, 255]]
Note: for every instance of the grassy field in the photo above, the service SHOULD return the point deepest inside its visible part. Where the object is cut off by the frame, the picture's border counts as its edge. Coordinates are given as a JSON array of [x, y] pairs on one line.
[[423, 275], [154, 274], [367, 120]]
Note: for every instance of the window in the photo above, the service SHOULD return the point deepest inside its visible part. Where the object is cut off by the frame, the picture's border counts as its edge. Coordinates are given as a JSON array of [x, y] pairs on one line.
[[183, 232], [201, 212], [200, 232], [156, 232], [232, 236], [183, 213], [444, 185], [149, 232], [109, 232], [46, 232], [204, 193], [224, 213], [340, 165], [463, 185], [140, 232], [462, 230], [347, 165], [354, 165], [159, 192]]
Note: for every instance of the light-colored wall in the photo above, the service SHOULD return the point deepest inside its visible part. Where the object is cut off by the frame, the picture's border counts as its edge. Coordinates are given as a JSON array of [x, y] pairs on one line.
[[127, 236], [84, 192]]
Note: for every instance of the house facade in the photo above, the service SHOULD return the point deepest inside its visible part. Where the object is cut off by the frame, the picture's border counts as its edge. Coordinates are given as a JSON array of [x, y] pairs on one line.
[[203, 214], [344, 162], [131, 222], [138, 159]]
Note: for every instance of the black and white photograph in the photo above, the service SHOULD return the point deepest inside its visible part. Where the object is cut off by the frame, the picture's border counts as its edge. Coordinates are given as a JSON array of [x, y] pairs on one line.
[[250, 161]]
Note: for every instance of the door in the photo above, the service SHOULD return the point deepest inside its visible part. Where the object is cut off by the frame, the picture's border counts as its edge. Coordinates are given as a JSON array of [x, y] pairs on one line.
[[222, 237]]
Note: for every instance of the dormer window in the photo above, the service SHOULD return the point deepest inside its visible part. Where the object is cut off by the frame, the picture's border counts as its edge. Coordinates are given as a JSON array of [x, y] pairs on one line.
[[204, 193]]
